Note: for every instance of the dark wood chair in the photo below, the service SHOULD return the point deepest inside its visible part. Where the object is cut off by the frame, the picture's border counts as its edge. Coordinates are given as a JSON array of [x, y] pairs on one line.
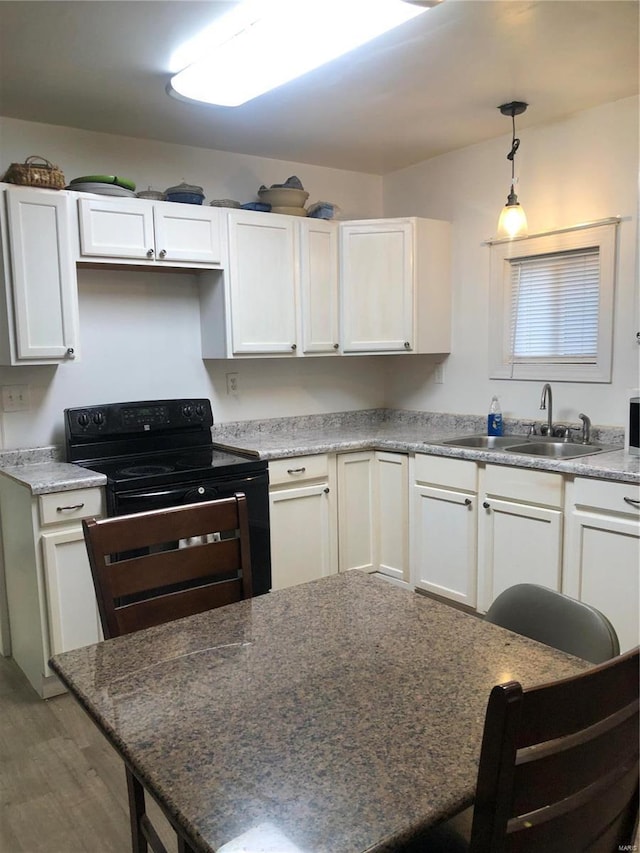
[[153, 567], [557, 620], [558, 767]]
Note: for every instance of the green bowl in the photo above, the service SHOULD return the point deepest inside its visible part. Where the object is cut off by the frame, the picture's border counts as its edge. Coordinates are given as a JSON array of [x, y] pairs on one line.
[[105, 179]]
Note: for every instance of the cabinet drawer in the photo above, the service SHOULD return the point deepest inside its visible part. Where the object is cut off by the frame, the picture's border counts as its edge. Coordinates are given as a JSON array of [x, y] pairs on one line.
[[602, 494], [522, 484], [442, 471], [297, 469], [61, 507]]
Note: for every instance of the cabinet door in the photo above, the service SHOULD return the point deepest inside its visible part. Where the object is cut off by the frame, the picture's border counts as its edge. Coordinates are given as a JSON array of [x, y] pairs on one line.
[[110, 229], [443, 544], [518, 543], [391, 514], [319, 286], [187, 232], [603, 569], [263, 282], [302, 524], [377, 287], [71, 602], [44, 285], [356, 546]]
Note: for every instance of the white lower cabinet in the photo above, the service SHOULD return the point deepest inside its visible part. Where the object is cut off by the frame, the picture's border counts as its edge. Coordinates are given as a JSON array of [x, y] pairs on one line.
[[302, 503], [50, 595], [444, 527], [373, 513], [602, 553], [520, 525]]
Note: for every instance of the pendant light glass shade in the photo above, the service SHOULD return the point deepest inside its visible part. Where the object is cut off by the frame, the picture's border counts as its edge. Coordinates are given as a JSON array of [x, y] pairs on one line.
[[513, 220]]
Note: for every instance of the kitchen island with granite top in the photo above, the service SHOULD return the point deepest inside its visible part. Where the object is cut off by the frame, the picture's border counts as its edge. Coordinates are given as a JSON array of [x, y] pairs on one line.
[[339, 716]]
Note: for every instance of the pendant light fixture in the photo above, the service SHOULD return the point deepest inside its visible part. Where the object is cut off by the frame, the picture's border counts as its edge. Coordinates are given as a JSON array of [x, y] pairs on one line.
[[512, 222]]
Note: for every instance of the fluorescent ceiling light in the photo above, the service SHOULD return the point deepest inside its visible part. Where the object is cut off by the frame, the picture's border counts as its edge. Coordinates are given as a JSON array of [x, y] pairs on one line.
[[262, 44]]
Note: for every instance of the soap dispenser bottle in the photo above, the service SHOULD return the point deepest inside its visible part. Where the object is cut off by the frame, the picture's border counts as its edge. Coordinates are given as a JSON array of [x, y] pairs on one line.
[[494, 418]]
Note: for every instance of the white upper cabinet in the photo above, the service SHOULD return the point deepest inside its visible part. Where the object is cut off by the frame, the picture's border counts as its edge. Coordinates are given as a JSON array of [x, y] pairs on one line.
[[164, 233], [319, 286], [278, 295], [39, 306], [263, 283], [395, 286]]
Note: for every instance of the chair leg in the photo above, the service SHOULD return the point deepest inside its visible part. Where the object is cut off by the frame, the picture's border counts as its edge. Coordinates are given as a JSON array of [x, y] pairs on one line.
[[184, 846], [136, 812]]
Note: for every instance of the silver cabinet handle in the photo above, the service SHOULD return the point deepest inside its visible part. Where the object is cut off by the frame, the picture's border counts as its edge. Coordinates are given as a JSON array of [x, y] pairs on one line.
[[467, 501], [486, 505], [69, 508], [296, 470], [632, 501], [71, 353], [294, 346], [336, 346], [149, 253], [407, 345], [327, 490], [163, 253]]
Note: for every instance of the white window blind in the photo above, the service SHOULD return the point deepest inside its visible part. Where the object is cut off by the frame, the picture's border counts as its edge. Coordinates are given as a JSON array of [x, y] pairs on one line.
[[555, 307]]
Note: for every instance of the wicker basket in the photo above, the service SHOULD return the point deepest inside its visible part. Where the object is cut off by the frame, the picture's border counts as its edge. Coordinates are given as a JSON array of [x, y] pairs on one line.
[[35, 172]]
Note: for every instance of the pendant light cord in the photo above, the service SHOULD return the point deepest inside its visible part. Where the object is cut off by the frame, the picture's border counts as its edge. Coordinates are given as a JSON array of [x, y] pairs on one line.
[[515, 144]]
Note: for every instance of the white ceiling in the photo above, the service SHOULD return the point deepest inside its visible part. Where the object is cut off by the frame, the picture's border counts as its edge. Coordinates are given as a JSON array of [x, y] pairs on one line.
[[430, 86]]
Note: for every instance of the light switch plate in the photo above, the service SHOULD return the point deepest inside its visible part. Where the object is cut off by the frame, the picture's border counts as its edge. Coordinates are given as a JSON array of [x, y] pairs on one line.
[[16, 398]]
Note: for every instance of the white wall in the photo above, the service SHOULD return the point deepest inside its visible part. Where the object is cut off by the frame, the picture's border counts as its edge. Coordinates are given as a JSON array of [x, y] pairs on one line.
[[577, 170], [140, 333]]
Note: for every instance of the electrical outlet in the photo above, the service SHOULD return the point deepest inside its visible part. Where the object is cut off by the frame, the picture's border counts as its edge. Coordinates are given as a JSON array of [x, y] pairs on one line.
[[232, 384], [438, 374], [16, 398]]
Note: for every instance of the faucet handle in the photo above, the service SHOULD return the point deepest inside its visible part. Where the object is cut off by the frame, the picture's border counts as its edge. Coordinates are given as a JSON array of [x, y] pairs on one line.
[[586, 428], [532, 430]]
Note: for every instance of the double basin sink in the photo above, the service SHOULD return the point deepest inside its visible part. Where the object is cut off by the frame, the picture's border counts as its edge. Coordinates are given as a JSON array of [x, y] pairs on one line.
[[550, 448]]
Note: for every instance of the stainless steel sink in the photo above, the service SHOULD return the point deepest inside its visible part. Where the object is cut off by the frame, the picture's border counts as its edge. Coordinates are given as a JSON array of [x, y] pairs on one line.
[[555, 449], [484, 442], [547, 447]]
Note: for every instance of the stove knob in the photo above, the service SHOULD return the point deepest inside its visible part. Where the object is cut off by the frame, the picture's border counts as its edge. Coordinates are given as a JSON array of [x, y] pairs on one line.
[[83, 419], [200, 410], [187, 411], [98, 419]]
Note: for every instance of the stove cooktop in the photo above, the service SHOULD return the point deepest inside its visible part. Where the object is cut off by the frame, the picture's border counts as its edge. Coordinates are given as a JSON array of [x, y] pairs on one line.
[[177, 466]]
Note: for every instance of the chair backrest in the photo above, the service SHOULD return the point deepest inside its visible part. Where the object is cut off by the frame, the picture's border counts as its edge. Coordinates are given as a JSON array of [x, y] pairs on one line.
[[557, 620], [153, 567], [559, 764]]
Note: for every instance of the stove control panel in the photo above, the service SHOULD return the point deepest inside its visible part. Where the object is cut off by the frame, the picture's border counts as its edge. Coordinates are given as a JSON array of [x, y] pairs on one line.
[[116, 419]]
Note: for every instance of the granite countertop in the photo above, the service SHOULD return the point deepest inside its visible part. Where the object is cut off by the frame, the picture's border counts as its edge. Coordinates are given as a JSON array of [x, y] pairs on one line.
[[339, 716], [412, 432], [43, 471]]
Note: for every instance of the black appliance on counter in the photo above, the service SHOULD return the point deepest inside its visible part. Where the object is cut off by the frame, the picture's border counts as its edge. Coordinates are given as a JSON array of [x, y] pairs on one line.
[[159, 453]]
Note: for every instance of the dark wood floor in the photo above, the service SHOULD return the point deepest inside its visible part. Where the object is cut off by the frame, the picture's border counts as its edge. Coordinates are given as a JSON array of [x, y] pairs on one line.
[[62, 786]]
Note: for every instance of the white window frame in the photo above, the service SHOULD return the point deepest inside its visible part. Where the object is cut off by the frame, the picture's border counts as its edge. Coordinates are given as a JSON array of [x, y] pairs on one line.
[[501, 363]]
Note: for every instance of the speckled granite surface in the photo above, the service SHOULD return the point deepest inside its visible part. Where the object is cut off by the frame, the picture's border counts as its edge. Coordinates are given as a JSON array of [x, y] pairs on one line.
[[43, 471], [412, 432], [344, 713]]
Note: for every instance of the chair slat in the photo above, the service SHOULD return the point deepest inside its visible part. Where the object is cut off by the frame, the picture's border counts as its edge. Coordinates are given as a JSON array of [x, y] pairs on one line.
[[585, 757], [151, 571], [167, 608]]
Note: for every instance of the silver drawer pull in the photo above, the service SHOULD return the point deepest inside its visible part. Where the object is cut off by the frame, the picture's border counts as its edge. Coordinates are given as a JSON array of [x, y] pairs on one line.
[[296, 470], [632, 501], [69, 508]]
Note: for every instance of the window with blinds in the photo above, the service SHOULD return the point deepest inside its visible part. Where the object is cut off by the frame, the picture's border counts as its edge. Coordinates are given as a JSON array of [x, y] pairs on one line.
[[554, 307], [551, 305]]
